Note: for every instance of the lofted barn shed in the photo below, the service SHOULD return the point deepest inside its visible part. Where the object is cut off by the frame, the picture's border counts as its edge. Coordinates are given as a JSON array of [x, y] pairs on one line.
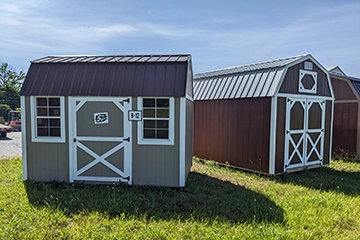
[[346, 113], [122, 118], [270, 117]]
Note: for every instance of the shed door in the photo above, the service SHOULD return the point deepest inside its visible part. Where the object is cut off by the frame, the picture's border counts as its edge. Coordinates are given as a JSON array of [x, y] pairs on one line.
[[304, 136], [101, 140]]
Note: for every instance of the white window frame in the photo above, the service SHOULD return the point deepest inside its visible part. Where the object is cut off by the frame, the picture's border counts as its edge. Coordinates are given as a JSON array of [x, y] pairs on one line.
[[140, 128], [34, 136]]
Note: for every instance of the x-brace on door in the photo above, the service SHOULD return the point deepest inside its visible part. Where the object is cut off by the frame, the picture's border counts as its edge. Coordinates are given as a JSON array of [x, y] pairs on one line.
[[304, 132], [101, 140]]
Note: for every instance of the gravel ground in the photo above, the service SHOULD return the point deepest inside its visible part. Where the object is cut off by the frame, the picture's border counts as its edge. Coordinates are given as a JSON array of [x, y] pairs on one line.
[[11, 145]]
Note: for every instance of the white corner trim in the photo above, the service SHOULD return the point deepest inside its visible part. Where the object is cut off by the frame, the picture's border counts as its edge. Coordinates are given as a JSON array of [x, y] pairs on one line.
[[34, 137], [188, 97], [170, 141], [182, 143], [273, 121], [23, 137], [71, 127]]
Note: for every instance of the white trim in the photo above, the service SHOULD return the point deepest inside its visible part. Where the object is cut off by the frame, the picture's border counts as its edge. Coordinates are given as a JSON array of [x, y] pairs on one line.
[[23, 137], [182, 143], [34, 137], [188, 97], [273, 121], [286, 95], [72, 130], [74, 145], [140, 132], [301, 87], [305, 139]]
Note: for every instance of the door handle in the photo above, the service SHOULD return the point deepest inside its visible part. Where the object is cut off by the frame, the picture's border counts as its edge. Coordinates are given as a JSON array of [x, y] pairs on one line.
[[127, 139]]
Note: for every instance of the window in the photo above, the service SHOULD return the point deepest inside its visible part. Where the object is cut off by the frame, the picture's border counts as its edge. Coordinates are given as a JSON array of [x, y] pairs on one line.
[[48, 119], [158, 120]]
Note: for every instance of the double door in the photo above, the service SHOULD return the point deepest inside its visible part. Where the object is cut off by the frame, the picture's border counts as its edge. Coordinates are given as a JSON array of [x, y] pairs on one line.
[[304, 132]]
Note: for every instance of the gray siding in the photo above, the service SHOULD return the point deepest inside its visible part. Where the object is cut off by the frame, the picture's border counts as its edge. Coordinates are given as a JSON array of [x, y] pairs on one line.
[[155, 164], [46, 161]]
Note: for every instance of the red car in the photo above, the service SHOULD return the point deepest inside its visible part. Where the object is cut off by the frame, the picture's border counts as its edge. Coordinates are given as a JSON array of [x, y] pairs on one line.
[[16, 125]]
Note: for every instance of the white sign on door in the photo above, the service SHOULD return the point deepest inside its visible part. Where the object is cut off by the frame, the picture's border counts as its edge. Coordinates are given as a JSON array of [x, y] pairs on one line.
[[101, 118]]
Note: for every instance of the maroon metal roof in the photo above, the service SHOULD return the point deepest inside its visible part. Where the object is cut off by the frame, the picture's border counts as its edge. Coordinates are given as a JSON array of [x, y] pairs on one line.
[[117, 75]]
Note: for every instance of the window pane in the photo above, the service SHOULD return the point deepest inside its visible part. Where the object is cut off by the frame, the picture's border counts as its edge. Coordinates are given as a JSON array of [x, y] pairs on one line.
[[41, 101], [149, 112], [148, 102], [149, 123], [149, 133], [55, 132], [162, 103], [55, 122], [163, 134], [54, 112], [54, 102], [41, 112], [163, 124], [162, 113], [42, 122], [42, 131]]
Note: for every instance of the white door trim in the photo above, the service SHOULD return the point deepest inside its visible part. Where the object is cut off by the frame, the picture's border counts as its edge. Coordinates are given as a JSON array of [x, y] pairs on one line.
[[305, 139]]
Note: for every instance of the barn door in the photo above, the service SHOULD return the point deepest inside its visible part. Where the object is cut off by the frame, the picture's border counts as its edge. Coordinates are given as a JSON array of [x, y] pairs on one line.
[[304, 136], [101, 136]]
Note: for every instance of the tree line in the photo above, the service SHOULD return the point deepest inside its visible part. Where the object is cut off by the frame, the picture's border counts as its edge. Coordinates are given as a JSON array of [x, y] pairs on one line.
[[10, 84]]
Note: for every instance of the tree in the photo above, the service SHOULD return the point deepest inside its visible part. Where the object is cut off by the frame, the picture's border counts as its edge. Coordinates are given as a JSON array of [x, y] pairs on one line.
[[10, 84]]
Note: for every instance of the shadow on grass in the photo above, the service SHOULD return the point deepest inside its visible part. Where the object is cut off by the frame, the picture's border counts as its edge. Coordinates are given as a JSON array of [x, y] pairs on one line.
[[204, 198], [325, 179]]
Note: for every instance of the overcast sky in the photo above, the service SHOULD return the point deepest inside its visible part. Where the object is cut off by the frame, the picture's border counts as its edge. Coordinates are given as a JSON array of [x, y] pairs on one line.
[[218, 34]]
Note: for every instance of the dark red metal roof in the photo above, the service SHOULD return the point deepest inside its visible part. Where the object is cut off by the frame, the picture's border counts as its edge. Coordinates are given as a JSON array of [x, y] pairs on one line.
[[117, 75]]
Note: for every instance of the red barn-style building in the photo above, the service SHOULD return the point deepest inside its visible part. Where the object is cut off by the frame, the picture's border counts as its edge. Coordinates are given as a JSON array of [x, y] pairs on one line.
[[346, 113], [270, 117]]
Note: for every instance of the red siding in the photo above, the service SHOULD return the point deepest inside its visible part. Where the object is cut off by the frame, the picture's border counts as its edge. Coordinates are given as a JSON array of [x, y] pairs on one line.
[[291, 81], [345, 127], [342, 89], [236, 131]]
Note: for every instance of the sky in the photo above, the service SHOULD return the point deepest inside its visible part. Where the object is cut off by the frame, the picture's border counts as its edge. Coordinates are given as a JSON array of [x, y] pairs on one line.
[[217, 34]]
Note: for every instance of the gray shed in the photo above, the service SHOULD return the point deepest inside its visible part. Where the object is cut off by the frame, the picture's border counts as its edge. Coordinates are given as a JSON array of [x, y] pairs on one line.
[[104, 119]]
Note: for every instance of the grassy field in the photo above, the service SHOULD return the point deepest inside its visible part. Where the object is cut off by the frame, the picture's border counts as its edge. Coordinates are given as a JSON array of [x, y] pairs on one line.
[[217, 203]]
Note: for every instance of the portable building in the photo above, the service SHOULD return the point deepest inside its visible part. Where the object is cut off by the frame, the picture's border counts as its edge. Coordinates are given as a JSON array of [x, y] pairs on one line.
[[121, 118], [346, 113], [270, 117]]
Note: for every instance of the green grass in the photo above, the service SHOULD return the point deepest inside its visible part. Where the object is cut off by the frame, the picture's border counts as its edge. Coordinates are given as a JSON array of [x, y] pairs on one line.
[[217, 203]]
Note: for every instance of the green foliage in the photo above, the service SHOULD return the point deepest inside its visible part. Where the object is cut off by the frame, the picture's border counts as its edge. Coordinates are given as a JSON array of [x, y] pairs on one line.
[[4, 109], [10, 83], [217, 203]]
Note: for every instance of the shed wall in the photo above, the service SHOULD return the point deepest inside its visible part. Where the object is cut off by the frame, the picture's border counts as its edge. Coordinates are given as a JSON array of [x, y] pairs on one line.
[[46, 161], [345, 126], [234, 131], [156, 165], [291, 81], [342, 90]]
